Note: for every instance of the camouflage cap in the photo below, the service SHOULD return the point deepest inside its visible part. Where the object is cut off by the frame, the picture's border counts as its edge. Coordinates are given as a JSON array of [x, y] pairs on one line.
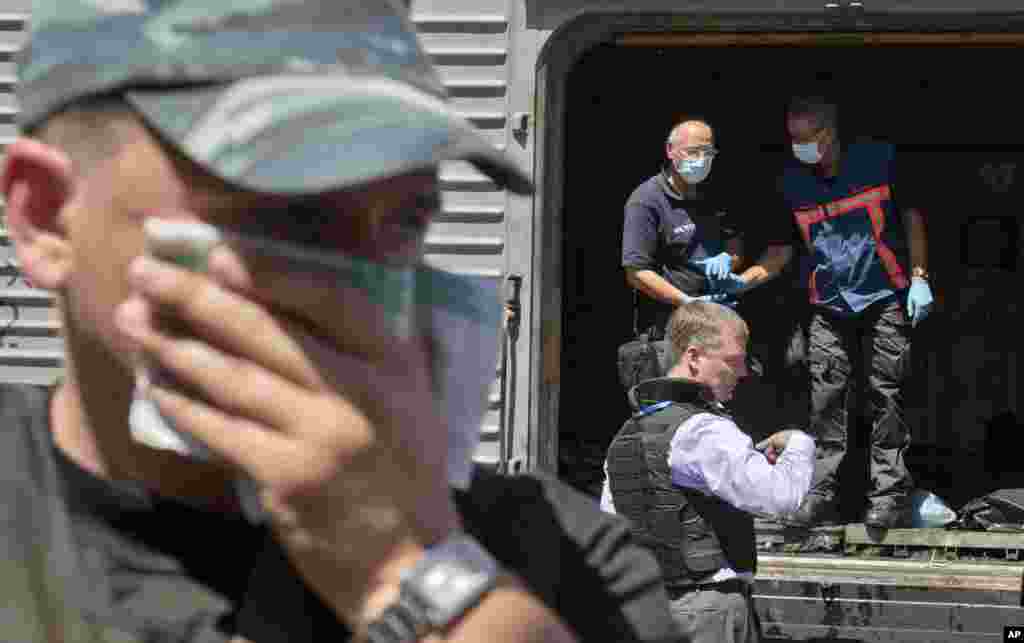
[[289, 96]]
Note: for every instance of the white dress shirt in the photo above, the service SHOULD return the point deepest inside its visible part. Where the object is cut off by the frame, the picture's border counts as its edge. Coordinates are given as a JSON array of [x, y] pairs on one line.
[[710, 454]]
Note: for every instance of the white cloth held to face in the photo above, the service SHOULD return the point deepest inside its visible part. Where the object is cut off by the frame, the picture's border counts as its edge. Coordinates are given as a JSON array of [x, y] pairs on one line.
[[460, 314]]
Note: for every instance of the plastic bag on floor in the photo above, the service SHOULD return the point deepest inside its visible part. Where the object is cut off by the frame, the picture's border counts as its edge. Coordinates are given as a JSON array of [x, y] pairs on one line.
[[928, 510]]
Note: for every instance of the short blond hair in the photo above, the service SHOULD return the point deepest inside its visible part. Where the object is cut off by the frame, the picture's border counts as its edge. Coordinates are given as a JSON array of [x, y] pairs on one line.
[[701, 324]]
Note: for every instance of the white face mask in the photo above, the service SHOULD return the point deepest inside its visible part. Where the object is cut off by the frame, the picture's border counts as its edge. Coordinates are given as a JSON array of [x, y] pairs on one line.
[[467, 343], [694, 171], [807, 152]]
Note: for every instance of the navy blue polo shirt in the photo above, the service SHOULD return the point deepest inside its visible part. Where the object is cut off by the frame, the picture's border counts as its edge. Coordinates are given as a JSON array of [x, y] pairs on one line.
[[851, 227], [668, 234]]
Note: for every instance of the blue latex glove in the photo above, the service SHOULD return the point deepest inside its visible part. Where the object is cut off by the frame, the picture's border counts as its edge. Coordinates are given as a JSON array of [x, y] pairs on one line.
[[725, 291], [723, 298], [717, 267], [919, 300]]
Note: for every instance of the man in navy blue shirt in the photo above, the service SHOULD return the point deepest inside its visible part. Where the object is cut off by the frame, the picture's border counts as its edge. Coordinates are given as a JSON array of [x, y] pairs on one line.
[[678, 242], [867, 282]]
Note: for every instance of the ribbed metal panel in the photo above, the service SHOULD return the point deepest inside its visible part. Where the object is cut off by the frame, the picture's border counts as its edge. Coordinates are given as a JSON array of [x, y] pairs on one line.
[[12, 35], [30, 344], [470, 48], [469, 44]]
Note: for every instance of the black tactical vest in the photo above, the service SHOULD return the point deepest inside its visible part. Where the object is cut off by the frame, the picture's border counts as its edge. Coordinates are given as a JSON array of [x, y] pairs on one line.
[[691, 534]]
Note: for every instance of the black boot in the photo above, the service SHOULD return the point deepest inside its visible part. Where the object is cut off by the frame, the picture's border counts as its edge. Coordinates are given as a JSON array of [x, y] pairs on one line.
[[818, 508], [888, 512]]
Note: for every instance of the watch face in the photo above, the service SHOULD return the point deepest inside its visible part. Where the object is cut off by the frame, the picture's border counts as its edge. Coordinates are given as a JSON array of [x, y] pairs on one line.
[[452, 577]]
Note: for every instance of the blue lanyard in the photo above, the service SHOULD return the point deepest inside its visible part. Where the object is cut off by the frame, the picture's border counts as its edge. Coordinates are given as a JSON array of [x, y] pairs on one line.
[[653, 408]]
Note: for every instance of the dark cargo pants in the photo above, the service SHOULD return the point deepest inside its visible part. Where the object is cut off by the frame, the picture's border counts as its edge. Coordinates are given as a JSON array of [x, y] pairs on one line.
[[837, 344]]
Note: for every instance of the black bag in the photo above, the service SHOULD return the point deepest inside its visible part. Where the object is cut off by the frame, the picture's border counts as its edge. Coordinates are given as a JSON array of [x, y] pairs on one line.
[[641, 360], [1003, 507]]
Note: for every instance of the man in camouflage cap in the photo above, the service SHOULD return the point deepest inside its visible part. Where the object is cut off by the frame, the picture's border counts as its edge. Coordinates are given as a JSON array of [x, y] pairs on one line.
[[316, 123], [262, 94]]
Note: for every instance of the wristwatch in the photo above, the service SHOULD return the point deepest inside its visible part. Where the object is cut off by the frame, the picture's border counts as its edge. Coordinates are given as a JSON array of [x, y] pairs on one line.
[[450, 579]]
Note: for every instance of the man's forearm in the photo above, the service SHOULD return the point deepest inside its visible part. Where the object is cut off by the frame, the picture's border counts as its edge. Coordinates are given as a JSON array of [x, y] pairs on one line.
[[768, 266], [917, 239], [773, 489], [655, 286]]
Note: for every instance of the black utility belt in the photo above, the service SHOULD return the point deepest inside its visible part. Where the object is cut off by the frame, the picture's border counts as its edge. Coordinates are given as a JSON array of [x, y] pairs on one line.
[[730, 586]]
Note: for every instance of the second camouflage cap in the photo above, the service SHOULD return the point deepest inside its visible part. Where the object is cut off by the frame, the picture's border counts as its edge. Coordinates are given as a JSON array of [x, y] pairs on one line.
[[292, 96]]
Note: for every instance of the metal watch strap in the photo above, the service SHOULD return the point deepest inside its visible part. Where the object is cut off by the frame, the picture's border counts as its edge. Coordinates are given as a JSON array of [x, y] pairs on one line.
[[402, 622]]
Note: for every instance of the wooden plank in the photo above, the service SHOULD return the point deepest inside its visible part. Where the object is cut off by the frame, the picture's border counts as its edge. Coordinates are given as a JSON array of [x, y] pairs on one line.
[[858, 534], [831, 570]]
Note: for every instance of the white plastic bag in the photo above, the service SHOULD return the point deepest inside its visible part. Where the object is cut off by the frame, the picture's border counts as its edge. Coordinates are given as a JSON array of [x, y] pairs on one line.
[[928, 510]]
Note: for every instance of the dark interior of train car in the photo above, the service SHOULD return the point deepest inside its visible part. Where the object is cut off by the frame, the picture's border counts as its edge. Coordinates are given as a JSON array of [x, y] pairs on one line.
[[959, 135]]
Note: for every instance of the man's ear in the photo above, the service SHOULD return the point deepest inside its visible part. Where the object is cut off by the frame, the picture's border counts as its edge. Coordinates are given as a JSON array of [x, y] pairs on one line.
[[684, 366], [37, 181], [689, 362]]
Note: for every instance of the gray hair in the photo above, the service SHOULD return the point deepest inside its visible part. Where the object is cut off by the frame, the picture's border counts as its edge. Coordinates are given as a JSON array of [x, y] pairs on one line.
[[700, 324], [676, 132]]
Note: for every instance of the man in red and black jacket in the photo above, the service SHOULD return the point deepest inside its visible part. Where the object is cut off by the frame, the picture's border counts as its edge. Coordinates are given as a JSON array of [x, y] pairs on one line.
[[867, 280]]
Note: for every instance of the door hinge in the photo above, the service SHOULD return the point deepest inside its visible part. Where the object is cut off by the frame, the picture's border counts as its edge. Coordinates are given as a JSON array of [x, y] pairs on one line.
[[521, 127], [839, 5], [845, 10], [515, 466]]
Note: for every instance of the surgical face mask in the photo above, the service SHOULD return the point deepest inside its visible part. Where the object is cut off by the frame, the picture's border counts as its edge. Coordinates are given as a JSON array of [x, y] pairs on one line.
[[808, 153], [694, 170], [463, 317]]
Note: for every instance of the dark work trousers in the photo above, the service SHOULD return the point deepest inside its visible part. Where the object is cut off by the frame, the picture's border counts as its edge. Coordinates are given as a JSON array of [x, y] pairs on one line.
[[780, 398], [877, 343]]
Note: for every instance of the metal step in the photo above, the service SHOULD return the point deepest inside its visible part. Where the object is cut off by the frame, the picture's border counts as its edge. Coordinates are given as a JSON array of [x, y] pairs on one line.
[[856, 600]]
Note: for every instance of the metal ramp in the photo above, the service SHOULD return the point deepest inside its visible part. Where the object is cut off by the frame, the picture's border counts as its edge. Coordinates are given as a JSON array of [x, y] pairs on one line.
[[853, 584]]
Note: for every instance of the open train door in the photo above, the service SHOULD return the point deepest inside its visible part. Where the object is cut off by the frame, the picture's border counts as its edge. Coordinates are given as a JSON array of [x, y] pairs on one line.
[[930, 79]]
